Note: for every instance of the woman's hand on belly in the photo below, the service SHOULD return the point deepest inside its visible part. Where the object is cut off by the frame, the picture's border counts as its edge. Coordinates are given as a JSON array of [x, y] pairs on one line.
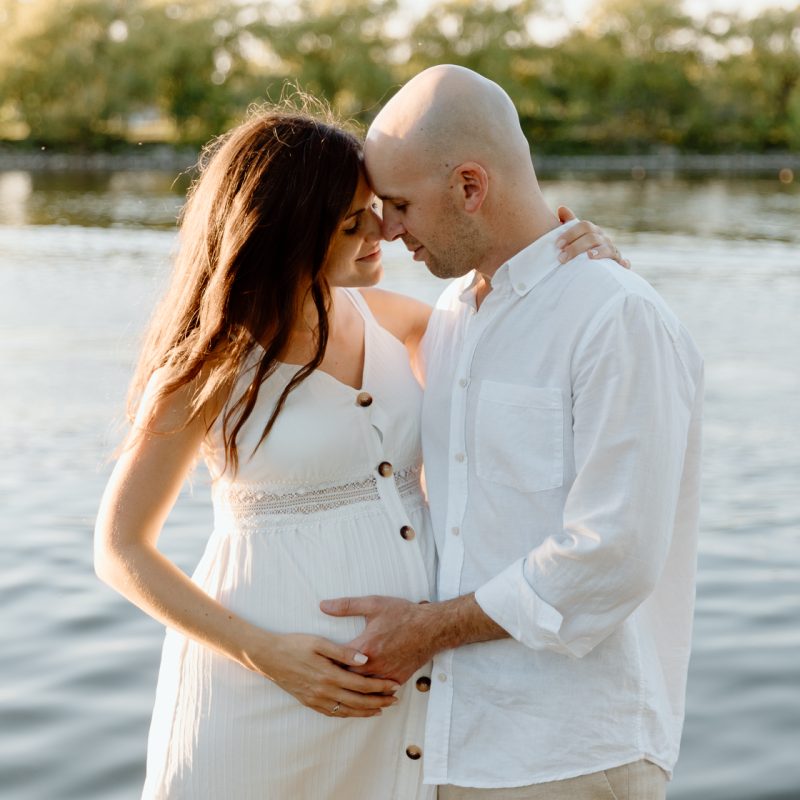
[[314, 670]]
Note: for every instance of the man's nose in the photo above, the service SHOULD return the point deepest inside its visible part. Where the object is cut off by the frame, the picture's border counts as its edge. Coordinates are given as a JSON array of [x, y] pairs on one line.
[[392, 225]]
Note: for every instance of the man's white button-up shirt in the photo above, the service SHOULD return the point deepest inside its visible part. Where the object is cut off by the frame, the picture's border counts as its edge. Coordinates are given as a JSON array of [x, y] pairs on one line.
[[561, 435]]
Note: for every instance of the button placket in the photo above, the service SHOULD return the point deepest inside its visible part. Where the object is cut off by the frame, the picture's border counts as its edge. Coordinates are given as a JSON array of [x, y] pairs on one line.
[[439, 719], [452, 556], [410, 775], [389, 492], [384, 471], [440, 705]]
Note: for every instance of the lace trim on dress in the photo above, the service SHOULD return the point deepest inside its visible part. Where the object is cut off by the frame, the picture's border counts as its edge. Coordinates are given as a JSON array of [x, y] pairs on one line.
[[247, 503]]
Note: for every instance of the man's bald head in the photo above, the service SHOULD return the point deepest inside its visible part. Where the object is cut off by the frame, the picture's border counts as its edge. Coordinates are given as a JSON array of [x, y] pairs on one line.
[[449, 159], [447, 115]]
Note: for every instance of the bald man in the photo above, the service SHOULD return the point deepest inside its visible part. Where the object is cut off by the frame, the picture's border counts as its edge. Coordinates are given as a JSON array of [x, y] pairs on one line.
[[561, 437]]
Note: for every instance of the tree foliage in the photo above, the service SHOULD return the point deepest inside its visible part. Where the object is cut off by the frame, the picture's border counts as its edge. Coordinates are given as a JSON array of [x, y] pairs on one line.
[[633, 76]]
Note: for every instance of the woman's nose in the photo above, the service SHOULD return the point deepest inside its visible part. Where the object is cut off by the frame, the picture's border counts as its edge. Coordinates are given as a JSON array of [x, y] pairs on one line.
[[374, 226]]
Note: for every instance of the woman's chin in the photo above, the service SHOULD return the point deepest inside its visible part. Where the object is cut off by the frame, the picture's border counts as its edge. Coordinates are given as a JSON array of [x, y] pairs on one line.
[[362, 276], [377, 274], [366, 277]]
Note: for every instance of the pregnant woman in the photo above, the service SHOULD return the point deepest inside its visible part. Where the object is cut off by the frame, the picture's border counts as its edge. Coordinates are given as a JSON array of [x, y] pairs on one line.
[[266, 359]]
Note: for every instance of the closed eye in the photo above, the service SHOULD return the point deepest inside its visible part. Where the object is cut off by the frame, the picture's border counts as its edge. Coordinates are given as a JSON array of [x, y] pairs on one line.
[[354, 228]]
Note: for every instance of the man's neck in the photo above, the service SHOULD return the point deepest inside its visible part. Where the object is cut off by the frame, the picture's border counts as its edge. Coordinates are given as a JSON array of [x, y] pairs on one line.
[[508, 245], [515, 239]]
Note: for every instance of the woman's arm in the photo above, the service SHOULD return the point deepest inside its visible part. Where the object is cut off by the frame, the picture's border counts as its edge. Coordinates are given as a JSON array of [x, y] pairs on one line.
[[140, 494]]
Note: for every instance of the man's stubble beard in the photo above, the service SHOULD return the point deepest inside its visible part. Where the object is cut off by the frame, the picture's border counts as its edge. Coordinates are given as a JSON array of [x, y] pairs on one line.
[[464, 251]]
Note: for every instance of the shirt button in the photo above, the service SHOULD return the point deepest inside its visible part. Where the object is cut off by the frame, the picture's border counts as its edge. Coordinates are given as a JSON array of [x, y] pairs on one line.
[[364, 399], [463, 383], [442, 677], [521, 287], [413, 752], [407, 532], [423, 684], [460, 457], [385, 469], [455, 530]]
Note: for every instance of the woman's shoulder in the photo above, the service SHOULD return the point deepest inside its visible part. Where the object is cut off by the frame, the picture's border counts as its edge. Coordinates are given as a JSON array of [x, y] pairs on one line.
[[404, 317], [168, 405]]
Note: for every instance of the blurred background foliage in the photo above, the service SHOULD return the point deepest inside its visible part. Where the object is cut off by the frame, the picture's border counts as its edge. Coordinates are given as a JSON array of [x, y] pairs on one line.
[[634, 76]]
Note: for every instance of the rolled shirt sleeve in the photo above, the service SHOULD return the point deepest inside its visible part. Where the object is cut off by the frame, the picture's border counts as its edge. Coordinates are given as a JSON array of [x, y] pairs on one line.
[[633, 391]]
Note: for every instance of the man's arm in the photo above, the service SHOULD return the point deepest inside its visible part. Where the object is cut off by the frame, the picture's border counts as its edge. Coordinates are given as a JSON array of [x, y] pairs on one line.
[[401, 636], [636, 381]]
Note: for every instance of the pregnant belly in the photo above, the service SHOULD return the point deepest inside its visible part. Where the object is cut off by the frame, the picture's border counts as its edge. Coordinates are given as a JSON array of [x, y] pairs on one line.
[[275, 578]]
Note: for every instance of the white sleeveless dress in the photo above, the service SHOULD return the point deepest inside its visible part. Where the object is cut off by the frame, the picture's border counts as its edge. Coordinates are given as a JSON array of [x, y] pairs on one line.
[[330, 505]]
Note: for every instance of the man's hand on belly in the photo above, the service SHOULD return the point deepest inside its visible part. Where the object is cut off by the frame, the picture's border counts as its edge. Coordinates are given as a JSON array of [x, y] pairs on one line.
[[400, 636]]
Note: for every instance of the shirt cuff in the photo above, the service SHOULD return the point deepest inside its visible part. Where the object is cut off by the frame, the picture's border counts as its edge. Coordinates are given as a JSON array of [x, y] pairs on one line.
[[512, 603]]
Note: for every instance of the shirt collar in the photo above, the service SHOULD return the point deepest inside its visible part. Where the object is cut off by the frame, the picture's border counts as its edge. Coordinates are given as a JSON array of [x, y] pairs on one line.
[[535, 262], [467, 293], [524, 269]]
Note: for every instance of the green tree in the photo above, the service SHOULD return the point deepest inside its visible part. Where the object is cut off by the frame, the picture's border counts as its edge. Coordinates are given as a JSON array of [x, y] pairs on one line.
[[636, 74], [491, 40], [62, 72], [76, 73], [753, 92], [191, 54], [631, 75], [339, 50]]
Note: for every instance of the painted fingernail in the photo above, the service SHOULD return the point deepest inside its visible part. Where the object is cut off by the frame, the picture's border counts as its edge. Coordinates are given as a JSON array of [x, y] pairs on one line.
[[562, 257], [360, 659]]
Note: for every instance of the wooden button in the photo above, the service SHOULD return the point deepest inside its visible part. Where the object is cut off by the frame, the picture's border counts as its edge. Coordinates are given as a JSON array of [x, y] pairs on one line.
[[407, 532], [385, 469], [413, 752], [364, 399], [423, 684]]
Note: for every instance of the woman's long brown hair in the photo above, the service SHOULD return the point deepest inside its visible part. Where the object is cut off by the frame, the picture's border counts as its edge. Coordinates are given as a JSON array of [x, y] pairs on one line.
[[254, 236]]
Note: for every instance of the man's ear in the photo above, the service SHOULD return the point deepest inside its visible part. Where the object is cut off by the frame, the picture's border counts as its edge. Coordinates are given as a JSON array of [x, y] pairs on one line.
[[472, 182]]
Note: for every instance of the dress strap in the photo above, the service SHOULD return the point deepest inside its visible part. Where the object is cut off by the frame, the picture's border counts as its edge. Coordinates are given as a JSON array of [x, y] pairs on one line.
[[362, 305]]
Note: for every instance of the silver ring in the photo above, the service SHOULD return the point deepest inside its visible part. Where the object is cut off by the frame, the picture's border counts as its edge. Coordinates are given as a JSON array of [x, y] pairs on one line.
[[336, 708]]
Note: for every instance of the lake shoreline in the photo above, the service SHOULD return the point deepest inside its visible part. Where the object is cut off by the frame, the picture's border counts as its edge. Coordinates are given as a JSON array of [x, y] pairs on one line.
[[637, 166]]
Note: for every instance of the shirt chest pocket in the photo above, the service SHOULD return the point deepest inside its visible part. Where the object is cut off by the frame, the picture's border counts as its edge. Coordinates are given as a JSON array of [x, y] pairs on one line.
[[519, 436]]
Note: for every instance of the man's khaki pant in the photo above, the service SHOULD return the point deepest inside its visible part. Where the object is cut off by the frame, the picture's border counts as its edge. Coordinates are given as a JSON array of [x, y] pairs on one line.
[[640, 780]]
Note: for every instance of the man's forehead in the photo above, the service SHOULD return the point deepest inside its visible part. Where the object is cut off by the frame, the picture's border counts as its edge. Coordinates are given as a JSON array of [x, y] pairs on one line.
[[382, 151], [391, 167]]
